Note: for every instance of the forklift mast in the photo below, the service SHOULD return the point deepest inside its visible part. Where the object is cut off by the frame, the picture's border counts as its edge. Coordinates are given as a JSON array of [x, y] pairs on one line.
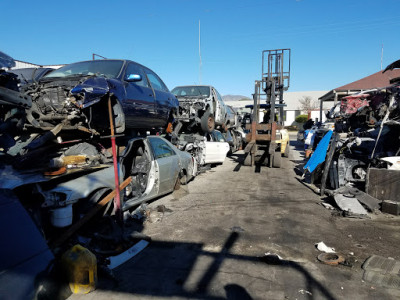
[[275, 79]]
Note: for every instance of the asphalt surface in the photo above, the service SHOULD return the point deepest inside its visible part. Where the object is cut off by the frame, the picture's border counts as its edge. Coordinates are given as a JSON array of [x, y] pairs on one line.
[[211, 239]]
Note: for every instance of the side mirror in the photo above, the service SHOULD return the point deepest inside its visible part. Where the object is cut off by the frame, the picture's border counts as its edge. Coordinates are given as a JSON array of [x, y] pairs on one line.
[[133, 77]]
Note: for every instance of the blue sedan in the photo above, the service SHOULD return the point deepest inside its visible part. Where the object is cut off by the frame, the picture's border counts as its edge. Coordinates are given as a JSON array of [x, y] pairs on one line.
[[76, 96]]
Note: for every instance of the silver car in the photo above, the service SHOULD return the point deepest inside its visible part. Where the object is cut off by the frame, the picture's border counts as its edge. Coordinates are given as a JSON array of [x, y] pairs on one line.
[[200, 107], [155, 165]]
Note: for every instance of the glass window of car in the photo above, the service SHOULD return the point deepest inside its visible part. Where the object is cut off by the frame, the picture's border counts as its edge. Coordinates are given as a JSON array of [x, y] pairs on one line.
[[155, 81], [218, 95], [106, 68], [218, 137], [199, 91], [160, 148], [133, 68]]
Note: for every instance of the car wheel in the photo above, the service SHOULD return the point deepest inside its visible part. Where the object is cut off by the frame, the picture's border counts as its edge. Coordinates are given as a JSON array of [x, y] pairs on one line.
[[207, 122], [287, 151], [119, 119], [177, 185], [277, 159], [235, 147], [183, 179]]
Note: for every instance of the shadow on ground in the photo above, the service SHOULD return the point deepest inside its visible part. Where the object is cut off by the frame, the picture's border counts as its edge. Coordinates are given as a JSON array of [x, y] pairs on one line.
[[164, 270]]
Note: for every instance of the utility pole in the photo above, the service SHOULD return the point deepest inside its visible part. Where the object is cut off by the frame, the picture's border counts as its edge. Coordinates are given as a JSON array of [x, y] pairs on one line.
[[199, 54], [381, 56]]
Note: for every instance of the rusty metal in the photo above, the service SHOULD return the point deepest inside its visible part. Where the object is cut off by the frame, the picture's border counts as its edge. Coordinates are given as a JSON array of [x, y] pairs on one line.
[[59, 171], [331, 258], [117, 199]]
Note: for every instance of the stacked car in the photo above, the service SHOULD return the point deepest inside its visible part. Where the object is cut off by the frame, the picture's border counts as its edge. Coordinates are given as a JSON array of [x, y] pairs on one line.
[[56, 141], [63, 130]]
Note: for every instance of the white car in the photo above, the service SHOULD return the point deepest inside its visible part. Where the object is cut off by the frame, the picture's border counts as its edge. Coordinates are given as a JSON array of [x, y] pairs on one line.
[[208, 149], [216, 149]]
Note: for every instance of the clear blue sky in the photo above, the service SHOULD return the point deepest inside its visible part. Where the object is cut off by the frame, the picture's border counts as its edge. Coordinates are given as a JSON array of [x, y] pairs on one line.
[[332, 42]]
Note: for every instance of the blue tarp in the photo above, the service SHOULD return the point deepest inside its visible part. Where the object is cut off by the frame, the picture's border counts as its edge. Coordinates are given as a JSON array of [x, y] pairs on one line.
[[319, 154]]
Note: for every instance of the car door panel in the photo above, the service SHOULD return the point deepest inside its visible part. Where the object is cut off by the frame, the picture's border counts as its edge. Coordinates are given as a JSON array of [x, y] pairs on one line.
[[167, 161], [139, 102], [169, 171], [163, 99], [215, 152]]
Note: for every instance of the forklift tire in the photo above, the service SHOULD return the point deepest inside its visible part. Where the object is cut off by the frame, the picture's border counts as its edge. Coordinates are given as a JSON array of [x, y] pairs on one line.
[[277, 159], [207, 122], [287, 150]]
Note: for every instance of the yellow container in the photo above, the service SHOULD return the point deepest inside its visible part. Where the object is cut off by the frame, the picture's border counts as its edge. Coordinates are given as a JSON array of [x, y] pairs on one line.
[[80, 266]]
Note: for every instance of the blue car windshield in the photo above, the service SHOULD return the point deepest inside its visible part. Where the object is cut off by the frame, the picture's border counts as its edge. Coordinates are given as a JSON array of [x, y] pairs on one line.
[[202, 91], [106, 68]]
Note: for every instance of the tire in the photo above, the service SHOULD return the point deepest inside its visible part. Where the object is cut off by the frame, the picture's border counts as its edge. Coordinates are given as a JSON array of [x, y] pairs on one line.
[[183, 178], [287, 151], [235, 147], [177, 185], [207, 122], [277, 159], [119, 118]]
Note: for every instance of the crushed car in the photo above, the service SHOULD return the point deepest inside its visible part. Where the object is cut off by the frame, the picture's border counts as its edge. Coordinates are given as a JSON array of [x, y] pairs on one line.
[[365, 142], [201, 109], [154, 164], [206, 149], [30, 75], [55, 148], [76, 96]]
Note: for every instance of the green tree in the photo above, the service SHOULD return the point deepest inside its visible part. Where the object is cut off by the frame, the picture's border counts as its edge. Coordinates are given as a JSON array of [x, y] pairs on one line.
[[301, 118]]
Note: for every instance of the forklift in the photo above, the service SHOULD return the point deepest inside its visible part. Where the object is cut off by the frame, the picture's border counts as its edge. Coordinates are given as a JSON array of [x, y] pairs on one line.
[[266, 140]]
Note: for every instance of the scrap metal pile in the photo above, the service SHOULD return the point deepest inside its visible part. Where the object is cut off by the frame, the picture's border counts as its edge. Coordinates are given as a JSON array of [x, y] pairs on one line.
[[55, 145], [63, 162], [67, 176], [350, 162]]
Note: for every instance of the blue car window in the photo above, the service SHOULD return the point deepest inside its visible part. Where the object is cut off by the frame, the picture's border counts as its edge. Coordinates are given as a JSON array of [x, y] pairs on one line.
[[195, 90], [160, 148], [155, 81], [135, 69], [106, 68], [219, 96], [218, 137]]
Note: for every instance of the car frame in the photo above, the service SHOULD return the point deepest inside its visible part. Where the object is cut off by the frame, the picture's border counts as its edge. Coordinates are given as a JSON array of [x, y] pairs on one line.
[[201, 108]]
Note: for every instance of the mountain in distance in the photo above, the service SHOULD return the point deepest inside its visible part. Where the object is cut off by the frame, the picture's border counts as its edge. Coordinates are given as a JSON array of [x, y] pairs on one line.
[[234, 98]]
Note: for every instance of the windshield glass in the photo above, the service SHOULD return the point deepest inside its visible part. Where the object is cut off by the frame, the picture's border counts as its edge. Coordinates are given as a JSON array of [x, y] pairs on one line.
[[202, 91], [106, 68], [218, 137]]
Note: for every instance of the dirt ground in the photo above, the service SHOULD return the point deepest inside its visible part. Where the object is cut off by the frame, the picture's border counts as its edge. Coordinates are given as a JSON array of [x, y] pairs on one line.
[[211, 241]]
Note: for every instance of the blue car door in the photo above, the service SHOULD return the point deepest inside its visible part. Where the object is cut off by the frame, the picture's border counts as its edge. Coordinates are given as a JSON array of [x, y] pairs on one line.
[[163, 99], [139, 102]]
